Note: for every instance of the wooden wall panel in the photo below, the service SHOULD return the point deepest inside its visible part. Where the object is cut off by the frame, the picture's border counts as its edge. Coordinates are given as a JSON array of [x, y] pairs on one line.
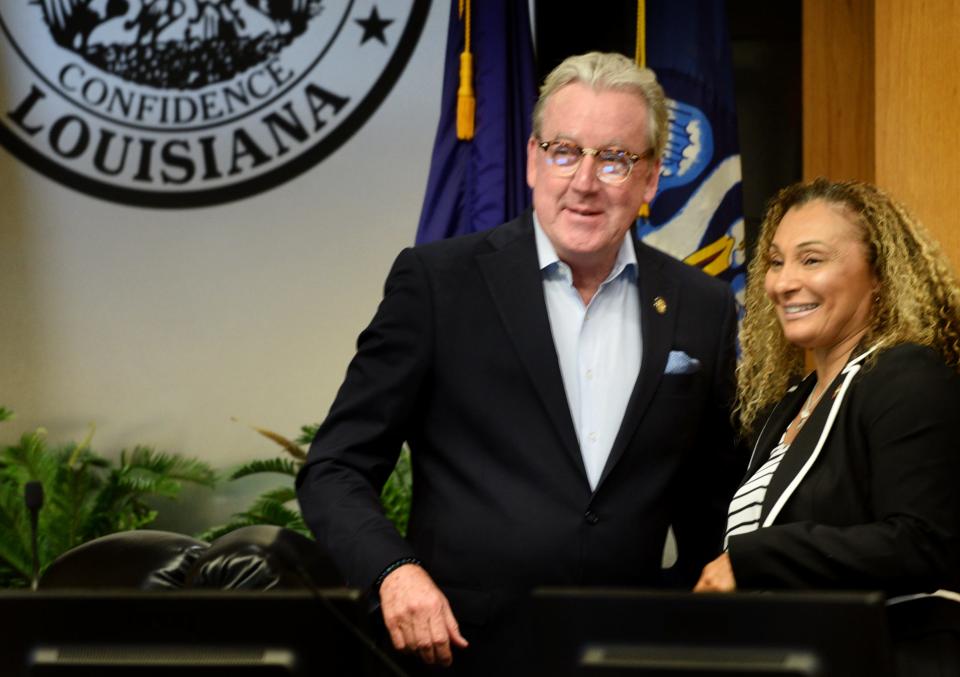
[[918, 111], [838, 89], [881, 102]]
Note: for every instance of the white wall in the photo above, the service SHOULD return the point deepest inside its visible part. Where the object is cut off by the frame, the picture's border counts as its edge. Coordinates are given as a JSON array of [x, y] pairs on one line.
[[159, 326]]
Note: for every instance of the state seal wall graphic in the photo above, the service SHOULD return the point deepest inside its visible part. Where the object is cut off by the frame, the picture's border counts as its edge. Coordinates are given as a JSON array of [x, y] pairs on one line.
[[180, 103]]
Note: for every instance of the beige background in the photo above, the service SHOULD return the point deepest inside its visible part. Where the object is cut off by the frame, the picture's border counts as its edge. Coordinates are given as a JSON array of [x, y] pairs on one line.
[[159, 326]]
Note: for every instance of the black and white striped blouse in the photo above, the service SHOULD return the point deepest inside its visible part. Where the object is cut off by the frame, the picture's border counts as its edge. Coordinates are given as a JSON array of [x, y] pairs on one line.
[[744, 513]]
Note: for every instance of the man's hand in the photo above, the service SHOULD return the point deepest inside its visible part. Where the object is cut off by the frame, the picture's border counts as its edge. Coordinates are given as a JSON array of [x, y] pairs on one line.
[[717, 576], [418, 616]]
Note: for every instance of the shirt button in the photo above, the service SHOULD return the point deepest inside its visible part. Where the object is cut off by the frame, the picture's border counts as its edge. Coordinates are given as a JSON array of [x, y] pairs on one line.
[[591, 517], [589, 374], [592, 437]]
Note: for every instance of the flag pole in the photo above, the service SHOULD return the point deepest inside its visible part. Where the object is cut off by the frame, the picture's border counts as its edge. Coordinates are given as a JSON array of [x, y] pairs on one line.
[[641, 47], [640, 57]]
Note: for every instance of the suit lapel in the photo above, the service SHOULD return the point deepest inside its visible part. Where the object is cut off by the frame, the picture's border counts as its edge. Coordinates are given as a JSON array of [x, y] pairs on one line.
[[803, 444], [809, 442], [776, 423], [512, 274], [659, 303]]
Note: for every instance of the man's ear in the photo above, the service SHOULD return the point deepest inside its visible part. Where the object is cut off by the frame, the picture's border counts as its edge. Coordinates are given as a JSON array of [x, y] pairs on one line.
[[652, 181], [532, 161]]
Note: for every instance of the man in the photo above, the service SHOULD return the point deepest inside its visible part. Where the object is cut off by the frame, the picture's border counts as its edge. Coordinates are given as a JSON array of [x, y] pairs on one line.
[[563, 388]]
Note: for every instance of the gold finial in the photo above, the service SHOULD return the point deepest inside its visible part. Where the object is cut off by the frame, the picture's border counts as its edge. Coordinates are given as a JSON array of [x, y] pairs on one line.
[[660, 305]]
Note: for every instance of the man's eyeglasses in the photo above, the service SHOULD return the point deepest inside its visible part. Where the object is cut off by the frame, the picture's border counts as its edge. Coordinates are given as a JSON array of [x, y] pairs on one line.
[[613, 166]]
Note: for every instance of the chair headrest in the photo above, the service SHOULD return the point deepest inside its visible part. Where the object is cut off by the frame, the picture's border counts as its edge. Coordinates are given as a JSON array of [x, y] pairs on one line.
[[142, 559]]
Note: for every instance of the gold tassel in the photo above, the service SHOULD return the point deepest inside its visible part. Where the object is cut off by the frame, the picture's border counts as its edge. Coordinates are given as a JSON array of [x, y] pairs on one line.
[[466, 101]]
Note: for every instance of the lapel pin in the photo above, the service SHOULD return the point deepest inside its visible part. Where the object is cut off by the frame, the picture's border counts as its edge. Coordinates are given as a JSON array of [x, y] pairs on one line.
[[660, 305]]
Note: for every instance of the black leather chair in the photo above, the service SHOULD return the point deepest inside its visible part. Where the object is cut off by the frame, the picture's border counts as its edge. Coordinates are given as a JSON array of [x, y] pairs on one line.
[[140, 560], [263, 557], [260, 557]]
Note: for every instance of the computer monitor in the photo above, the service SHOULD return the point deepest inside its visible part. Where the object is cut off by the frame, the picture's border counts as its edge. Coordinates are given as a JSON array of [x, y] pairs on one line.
[[186, 634], [629, 633]]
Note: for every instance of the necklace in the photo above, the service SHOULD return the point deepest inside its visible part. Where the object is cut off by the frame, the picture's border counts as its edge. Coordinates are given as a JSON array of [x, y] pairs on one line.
[[808, 407]]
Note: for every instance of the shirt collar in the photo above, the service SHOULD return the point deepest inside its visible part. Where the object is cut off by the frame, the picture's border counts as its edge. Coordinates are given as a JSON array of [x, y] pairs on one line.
[[547, 254]]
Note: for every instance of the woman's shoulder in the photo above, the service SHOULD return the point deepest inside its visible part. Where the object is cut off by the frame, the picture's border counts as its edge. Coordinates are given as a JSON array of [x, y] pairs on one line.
[[908, 353], [909, 366]]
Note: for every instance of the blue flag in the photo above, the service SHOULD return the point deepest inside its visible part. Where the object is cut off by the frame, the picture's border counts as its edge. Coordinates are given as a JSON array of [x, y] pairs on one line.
[[479, 183], [697, 214]]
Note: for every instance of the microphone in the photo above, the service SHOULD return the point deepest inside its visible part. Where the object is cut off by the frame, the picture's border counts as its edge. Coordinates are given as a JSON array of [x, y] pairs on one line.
[[33, 497]]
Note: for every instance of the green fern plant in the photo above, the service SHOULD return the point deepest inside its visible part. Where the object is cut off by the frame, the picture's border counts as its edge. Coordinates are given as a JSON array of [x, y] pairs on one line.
[[398, 492], [272, 506], [278, 506], [86, 496]]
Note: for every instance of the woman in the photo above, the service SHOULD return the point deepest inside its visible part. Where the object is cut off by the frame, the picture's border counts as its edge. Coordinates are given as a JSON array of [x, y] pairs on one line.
[[854, 480]]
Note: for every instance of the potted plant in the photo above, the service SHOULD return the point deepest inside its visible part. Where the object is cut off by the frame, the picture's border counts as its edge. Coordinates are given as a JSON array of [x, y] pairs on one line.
[[86, 495], [278, 506]]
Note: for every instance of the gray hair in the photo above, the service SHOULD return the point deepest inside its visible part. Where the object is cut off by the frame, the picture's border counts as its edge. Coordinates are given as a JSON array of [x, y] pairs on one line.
[[606, 71]]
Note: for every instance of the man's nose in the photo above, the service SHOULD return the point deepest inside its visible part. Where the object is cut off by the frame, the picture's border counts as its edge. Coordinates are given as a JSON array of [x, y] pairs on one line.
[[585, 177]]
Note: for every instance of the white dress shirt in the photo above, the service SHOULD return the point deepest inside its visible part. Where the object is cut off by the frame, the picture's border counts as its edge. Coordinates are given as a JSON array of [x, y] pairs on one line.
[[598, 344]]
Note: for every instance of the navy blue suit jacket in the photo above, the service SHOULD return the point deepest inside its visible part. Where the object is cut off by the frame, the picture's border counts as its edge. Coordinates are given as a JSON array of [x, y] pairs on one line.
[[460, 363]]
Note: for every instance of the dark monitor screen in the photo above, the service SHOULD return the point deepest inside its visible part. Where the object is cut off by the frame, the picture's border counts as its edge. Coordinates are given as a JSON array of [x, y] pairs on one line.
[[608, 633], [185, 634]]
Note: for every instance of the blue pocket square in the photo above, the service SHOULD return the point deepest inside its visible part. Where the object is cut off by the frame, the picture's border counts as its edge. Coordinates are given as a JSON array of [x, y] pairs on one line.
[[678, 362]]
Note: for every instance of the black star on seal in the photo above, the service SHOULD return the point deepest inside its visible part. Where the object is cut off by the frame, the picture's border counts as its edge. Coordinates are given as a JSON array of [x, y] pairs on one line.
[[373, 27]]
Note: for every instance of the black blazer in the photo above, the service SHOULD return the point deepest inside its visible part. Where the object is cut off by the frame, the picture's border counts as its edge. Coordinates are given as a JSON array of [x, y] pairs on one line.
[[459, 361], [868, 494]]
